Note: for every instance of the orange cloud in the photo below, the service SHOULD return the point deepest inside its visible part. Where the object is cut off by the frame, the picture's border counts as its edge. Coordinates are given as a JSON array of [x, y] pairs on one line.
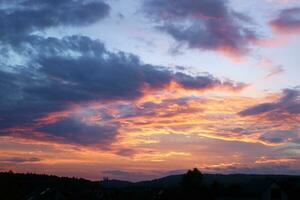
[[265, 160]]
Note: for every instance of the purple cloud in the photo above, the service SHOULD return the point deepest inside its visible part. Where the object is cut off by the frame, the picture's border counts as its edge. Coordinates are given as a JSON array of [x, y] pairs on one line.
[[280, 137], [203, 24], [20, 160], [26, 16], [289, 103], [74, 131], [288, 21]]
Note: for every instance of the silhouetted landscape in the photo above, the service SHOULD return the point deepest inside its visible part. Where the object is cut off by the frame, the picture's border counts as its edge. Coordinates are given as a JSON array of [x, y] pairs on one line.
[[192, 185]]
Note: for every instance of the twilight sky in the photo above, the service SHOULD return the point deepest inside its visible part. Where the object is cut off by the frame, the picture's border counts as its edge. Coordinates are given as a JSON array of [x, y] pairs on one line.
[[146, 88]]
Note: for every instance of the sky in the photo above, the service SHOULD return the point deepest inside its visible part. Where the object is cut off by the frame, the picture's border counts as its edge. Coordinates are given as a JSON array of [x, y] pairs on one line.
[[142, 89]]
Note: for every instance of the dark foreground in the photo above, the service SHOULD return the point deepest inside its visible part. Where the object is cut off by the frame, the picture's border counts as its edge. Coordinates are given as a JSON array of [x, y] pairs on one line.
[[192, 185]]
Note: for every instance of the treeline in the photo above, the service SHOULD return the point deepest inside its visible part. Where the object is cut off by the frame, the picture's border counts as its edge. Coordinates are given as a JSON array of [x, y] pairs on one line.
[[14, 186], [192, 185]]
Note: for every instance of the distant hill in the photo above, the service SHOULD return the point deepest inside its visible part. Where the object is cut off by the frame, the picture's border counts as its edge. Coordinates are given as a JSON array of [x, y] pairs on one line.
[[113, 183], [168, 181], [208, 179]]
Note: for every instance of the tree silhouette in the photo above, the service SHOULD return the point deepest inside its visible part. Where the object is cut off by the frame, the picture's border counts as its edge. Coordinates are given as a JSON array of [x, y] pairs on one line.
[[192, 179]]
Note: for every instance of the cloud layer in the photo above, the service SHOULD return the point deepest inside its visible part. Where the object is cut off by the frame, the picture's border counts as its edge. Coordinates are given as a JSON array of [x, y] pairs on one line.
[[75, 70]]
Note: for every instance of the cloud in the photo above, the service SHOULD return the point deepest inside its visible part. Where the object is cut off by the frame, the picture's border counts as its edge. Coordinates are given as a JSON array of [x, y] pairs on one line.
[[126, 152], [289, 103], [20, 18], [167, 108], [204, 24], [20, 160], [258, 109], [275, 71], [210, 117], [260, 169], [44, 78], [280, 136], [207, 81], [58, 74], [273, 68], [74, 131], [276, 122], [266, 160], [281, 1], [55, 76], [287, 22]]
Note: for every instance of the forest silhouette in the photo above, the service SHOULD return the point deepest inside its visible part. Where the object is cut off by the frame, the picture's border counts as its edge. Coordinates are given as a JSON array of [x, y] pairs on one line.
[[191, 186]]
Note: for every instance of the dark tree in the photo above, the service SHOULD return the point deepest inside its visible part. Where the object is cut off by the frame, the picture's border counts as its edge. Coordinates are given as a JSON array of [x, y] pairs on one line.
[[192, 179]]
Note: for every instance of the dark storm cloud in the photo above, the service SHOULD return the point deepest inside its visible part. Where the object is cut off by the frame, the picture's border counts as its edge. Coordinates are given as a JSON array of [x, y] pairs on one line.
[[58, 73], [289, 103], [19, 18], [203, 24], [288, 21], [74, 131]]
